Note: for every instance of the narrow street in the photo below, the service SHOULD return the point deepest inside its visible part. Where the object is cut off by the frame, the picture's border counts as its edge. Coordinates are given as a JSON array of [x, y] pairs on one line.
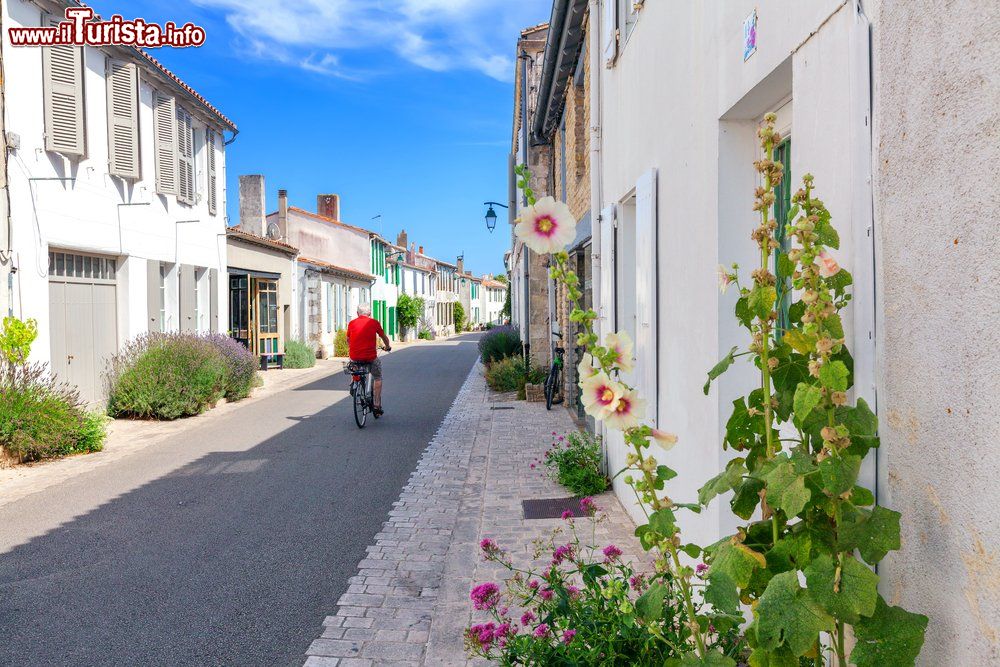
[[228, 544]]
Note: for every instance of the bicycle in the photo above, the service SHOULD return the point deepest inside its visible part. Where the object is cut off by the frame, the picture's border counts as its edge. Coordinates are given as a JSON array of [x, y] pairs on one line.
[[553, 382], [362, 388]]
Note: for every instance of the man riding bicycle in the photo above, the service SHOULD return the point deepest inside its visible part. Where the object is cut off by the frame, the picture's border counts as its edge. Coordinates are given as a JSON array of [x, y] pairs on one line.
[[362, 333]]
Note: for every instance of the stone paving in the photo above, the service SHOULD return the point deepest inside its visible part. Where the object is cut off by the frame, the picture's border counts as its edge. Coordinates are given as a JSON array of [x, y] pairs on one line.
[[409, 603]]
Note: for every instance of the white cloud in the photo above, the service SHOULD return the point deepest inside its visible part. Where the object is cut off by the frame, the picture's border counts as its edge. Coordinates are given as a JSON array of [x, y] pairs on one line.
[[438, 35]]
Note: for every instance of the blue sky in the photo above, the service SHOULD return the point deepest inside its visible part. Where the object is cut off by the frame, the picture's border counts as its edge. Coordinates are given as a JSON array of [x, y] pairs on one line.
[[403, 107]]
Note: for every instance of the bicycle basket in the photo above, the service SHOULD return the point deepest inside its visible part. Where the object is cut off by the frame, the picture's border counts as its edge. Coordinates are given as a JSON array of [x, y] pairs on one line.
[[356, 368]]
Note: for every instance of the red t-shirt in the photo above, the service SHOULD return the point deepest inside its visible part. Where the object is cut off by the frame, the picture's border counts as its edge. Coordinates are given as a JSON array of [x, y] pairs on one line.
[[362, 334]]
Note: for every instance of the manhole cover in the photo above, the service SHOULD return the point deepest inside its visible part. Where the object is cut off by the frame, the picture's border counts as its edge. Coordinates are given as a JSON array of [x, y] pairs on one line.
[[550, 508]]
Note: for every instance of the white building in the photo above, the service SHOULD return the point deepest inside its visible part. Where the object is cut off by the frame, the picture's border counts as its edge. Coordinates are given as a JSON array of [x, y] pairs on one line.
[[492, 297], [894, 109], [116, 177]]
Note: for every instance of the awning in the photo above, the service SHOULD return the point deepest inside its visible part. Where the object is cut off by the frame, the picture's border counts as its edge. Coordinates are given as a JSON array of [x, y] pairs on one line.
[[254, 273]]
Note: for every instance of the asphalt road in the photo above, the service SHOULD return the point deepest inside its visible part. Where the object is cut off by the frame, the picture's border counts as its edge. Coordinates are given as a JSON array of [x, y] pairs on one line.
[[235, 557]]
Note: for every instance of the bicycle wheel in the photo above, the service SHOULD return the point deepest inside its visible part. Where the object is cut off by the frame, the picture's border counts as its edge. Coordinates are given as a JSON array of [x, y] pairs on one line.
[[550, 386], [360, 407]]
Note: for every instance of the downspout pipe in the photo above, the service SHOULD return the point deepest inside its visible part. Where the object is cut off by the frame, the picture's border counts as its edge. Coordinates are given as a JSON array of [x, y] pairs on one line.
[[527, 251], [596, 198], [552, 47]]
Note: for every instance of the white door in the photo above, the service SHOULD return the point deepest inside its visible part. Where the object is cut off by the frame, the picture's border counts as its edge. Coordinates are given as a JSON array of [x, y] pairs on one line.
[[82, 320]]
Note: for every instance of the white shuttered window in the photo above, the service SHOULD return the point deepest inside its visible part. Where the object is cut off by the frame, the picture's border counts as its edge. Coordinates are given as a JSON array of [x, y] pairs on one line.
[[210, 160], [123, 119], [165, 129], [62, 74], [185, 157]]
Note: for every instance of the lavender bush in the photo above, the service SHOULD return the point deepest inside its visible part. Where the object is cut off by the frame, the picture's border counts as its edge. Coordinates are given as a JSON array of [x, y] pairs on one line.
[[165, 376], [241, 366], [499, 343]]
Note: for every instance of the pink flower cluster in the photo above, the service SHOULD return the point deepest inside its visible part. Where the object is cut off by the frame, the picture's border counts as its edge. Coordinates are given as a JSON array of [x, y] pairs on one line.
[[588, 506], [485, 634], [611, 553], [485, 596], [563, 552]]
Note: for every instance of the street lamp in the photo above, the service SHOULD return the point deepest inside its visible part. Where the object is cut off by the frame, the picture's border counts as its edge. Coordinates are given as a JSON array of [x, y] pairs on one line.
[[491, 215]]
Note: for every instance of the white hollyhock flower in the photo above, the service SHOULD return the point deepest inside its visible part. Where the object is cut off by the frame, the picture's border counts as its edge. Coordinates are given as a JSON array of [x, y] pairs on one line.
[[628, 412], [621, 344], [600, 395], [547, 227]]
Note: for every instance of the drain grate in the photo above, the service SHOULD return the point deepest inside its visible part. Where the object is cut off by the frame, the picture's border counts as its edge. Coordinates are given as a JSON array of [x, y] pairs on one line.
[[549, 508], [501, 407]]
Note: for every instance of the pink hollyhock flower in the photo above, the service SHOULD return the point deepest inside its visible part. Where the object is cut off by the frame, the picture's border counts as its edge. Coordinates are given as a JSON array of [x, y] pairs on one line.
[[546, 227], [567, 514], [568, 636], [600, 395], [627, 412], [588, 506], [725, 279], [665, 440], [541, 630], [611, 553], [827, 264], [527, 617], [621, 344], [485, 596]]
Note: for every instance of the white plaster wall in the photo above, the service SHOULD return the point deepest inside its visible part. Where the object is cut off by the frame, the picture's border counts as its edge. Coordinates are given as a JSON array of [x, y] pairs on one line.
[[937, 116], [335, 244], [85, 215], [681, 99]]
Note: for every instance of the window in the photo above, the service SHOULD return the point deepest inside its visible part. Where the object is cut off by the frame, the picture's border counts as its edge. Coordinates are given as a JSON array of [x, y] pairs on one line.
[[163, 298], [62, 82], [628, 15], [198, 310], [329, 307], [185, 157], [123, 119]]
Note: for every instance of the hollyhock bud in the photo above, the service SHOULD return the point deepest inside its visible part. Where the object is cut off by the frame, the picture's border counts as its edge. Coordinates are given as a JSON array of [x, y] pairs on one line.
[[838, 398]]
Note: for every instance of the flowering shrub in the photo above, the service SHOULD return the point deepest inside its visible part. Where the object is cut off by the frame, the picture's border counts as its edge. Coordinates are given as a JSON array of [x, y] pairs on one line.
[[16, 338], [341, 347], [241, 366], [587, 607], [508, 374], [165, 376], [499, 343], [574, 460]]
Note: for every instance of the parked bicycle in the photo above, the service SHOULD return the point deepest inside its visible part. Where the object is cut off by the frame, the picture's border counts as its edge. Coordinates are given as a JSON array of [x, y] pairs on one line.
[[554, 381], [362, 387]]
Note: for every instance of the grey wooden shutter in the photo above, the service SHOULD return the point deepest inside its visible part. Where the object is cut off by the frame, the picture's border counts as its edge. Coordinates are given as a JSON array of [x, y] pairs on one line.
[[187, 295], [154, 296], [165, 129], [210, 154], [213, 299], [185, 157], [123, 119], [62, 75]]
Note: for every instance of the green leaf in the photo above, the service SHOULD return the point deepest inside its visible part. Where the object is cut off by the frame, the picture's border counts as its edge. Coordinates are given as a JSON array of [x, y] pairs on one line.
[[786, 488], [891, 637], [790, 373], [742, 427], [807, 397], [787, 617], [828, 236], [646, 536], [840, 280], [839, 473], [834, 376], [720, 368], [694, 507], [781, 657], [746, 498], [664, 473], [663, 522], [722, 593], [743, 313], [785, 266], [735, 560], [800, 342], [692, 550], [834, 327], [761, 300], [862, 497], [850, 598], [723, 482], [793, 211], [711, 659], [874, 535], [791, 552], [859, 420], [795, 312], [649, 606]]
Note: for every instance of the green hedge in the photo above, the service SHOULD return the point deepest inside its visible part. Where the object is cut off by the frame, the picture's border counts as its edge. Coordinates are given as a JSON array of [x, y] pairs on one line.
[[341, 348]]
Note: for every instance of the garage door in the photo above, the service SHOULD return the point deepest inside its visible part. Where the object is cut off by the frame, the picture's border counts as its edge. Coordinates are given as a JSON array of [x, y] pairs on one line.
[[82, 320]]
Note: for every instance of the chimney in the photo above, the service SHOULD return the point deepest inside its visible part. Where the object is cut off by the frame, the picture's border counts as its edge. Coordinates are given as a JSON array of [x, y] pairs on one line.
[[460, 262], [420, 251], [411, 254], [252, 204], [401, 239], [328, 206], [283, 214]]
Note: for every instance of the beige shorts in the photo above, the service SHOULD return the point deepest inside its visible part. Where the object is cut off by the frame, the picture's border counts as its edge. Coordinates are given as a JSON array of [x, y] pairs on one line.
[[374, 367]]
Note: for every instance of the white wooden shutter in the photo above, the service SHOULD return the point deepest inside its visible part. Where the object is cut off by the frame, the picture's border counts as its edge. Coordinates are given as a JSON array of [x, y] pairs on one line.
[[609, 32], [185, 157], [165, 129], [123, 119], [645, 289], [607, 267], [62, 75], [210, 153]]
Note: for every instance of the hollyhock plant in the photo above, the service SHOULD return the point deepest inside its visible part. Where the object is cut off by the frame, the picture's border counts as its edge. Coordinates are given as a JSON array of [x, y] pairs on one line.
[[620, 349], [628, 411], [600, 395], [546, 226]]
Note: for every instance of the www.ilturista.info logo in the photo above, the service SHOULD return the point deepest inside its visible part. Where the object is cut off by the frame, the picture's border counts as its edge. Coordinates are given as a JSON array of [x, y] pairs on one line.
[[79, 28]]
